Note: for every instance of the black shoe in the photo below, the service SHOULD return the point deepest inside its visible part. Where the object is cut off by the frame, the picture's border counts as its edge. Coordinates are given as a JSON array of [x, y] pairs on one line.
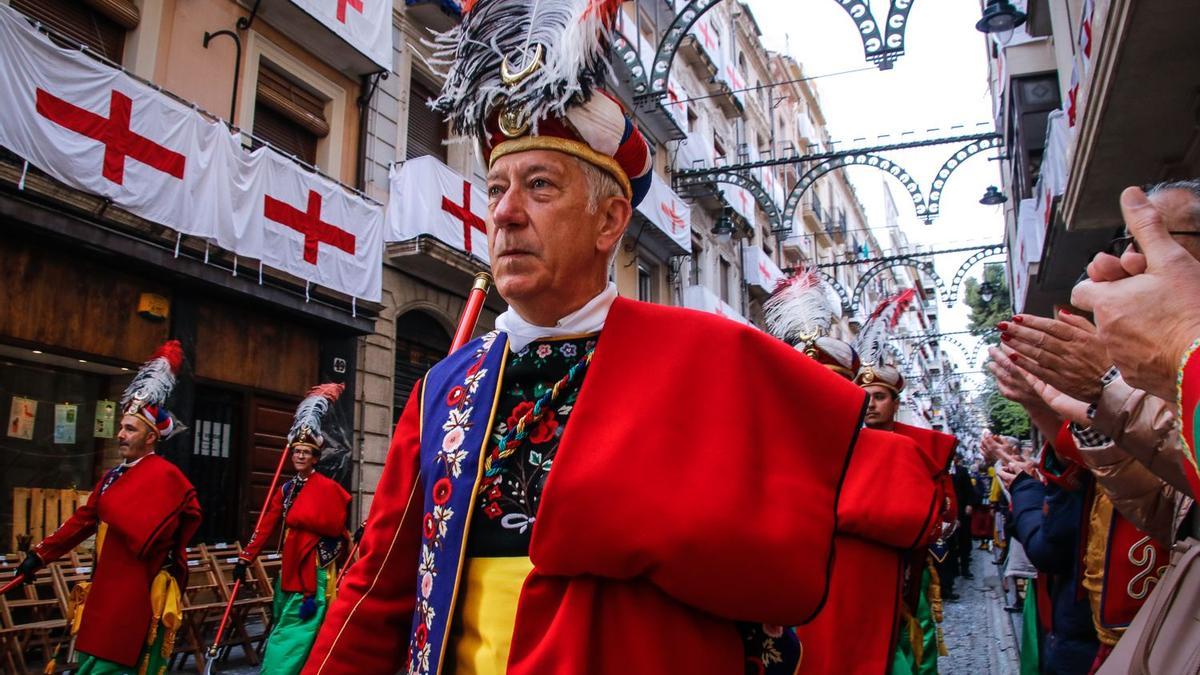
[[968, 575], [951, 596], [1013, 610]]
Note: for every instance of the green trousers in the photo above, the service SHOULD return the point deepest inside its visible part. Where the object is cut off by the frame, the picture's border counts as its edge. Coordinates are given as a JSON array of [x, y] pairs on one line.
[[292, 637], [155, 662]]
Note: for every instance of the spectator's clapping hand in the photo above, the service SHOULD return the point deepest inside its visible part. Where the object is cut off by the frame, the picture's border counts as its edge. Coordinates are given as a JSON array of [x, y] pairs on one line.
[[1066, 407], [1145, 304], [1064, 353], [1010, 379]]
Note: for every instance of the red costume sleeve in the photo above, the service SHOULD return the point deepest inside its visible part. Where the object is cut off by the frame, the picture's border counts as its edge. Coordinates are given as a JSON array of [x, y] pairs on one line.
[[367, 628], [950, 514], [320, 507], [888, 496], [81, 525], [266, 528], [1189, 407]]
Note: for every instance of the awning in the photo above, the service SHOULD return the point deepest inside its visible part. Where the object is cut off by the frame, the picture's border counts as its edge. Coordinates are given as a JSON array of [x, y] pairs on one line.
[[699, 297], [669, 216]]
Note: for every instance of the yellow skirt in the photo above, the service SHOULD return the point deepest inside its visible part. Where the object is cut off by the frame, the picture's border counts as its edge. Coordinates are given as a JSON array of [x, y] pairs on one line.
[[488, 612]]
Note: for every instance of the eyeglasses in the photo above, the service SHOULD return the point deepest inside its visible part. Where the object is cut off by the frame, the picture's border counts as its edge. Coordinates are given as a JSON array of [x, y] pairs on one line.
[[1118, 244], [303, 452]]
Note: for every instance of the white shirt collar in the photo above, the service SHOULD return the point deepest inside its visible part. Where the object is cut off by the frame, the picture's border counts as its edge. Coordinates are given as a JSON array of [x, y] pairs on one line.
[[587, 319]]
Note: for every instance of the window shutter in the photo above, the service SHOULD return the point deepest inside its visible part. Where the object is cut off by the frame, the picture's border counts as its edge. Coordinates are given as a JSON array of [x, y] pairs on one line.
[[79, 22], [303, 108], [284, 134], [426, 130]]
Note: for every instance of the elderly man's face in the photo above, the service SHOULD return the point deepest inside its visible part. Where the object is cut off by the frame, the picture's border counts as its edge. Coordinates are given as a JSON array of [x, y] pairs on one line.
[[548, 252]]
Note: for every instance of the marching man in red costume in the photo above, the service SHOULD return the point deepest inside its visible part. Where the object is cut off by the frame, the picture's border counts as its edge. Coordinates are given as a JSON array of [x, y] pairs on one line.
[[883, 384], [143, 512], [313, 510], [601, 485], [885, 509]]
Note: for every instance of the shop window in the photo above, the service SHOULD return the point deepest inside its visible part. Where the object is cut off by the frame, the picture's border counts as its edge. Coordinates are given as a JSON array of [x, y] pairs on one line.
[[421, 341], [426, 128], [288, 116], [99, 25]]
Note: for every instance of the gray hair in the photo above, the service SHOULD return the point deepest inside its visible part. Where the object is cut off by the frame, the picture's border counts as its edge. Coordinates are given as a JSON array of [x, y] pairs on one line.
[[1191, 186], [601, 185]]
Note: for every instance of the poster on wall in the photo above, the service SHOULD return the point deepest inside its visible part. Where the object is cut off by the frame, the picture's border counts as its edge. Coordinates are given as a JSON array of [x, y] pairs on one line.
[[21, 417], [64, 423], [106, 415]]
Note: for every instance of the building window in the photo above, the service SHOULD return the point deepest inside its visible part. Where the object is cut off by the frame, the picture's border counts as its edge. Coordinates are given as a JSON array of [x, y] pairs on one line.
[[726, 271], [288, 116], [647, 276], [718, 146], [102, 30], [426, 129], [421, 341], [692, 119], [697, 257]]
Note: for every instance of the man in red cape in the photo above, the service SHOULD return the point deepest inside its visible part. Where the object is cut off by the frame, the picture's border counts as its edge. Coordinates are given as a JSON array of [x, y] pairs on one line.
[[601, 486], [143, 512], [922, 598], [885, 509]]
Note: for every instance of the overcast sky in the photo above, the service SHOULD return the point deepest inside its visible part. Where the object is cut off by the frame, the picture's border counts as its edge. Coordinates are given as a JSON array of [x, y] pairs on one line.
[[941, 80]]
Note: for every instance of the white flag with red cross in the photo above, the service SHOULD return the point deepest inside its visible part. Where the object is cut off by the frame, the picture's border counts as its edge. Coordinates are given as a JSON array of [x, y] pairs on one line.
[[365, 25], [429, 198], [100, 131]]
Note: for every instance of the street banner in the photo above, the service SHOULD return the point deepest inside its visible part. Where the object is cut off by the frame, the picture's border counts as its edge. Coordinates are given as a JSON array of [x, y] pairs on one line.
[[429, 198], [365, 25], [699, 297], [760, 270], [101, 131], [669, 213]]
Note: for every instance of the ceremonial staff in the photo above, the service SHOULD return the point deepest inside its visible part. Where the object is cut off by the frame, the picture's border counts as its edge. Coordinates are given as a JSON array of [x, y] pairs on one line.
[[466, 326]]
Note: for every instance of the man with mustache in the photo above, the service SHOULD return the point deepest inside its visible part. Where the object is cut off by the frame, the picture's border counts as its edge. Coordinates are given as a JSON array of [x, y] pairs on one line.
[[143, 512], [600, 485]]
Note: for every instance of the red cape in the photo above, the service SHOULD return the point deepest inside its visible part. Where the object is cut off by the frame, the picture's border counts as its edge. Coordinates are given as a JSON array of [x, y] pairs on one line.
[[151, 511], [695, 486], [885, 509], [318, 511]]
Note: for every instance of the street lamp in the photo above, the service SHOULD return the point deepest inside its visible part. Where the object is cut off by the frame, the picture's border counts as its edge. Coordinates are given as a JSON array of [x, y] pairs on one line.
[[723, 228], [992, 196], [1000, 17], [986, 292]]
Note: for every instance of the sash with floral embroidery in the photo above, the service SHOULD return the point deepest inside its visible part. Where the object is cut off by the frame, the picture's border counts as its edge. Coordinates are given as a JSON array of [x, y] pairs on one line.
[[457, 403]]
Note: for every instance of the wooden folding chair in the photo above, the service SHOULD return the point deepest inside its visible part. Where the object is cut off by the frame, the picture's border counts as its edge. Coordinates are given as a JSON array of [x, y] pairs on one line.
[[31, 616], [201, 600], [253, 601]]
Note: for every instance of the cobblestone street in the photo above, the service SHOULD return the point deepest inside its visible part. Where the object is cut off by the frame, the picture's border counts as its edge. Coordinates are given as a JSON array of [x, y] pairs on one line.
[[980, 636]]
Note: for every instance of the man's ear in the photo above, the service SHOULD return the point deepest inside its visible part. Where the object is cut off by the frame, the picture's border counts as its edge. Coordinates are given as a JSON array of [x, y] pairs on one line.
[[615, 213]]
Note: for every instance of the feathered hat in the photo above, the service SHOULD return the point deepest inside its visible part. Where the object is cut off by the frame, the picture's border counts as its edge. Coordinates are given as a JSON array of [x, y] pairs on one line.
[[873, 338], [527, 75], [800, 313], [307, 425], [146, 395]]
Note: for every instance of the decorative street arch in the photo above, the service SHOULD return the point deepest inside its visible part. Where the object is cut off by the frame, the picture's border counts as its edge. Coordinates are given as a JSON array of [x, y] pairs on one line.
[[956, 284], [922, 265], [865, 159], [948, 167], [744, 181], [840, 290], [880, 48]]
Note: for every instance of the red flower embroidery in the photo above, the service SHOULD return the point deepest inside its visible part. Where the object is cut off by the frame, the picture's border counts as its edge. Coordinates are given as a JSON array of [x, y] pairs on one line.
[[430, 526], [422, 636], [544, 431], [519, 412], [495, 493], [441, 491], [475, 367], [455, 396], [493, 511]]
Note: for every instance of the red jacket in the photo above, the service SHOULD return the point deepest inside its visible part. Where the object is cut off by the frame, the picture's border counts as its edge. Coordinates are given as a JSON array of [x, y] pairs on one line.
[[318, 511], [695, 487], [885, 510], [151, 511]]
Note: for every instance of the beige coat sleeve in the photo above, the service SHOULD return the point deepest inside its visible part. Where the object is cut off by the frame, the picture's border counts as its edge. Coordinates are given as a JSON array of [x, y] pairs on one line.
[[1149, 502], [1146, 427]]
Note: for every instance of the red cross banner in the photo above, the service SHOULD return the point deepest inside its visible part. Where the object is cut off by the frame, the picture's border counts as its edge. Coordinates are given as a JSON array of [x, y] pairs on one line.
[[760, 270], [669, 213], [100, 131], [429, 198], [365, 25]]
